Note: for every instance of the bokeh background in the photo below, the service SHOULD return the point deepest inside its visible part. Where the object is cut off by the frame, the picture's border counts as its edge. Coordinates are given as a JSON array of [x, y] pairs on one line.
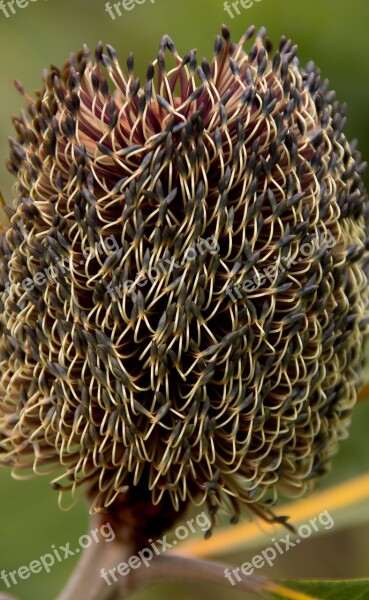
[[332, 32]]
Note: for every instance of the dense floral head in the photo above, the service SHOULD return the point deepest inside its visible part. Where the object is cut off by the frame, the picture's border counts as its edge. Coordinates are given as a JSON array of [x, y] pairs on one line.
[[184, 288]]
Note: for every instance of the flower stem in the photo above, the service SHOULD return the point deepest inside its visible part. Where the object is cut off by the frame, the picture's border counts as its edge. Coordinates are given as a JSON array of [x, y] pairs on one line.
[[87, 582], [175, 567]]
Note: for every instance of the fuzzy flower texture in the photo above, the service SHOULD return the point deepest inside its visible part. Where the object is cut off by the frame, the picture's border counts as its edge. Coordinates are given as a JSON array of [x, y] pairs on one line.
[[181, 391]]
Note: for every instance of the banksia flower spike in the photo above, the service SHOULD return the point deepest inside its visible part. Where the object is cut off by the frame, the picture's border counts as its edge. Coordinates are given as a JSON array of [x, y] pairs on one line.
[[184, 284]]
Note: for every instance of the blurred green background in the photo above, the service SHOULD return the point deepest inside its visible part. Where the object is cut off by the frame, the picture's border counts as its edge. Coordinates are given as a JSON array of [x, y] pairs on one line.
[[334, 33]]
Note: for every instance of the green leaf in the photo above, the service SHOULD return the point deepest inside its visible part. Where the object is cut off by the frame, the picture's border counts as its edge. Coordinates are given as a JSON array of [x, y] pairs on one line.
[[354, 589]]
